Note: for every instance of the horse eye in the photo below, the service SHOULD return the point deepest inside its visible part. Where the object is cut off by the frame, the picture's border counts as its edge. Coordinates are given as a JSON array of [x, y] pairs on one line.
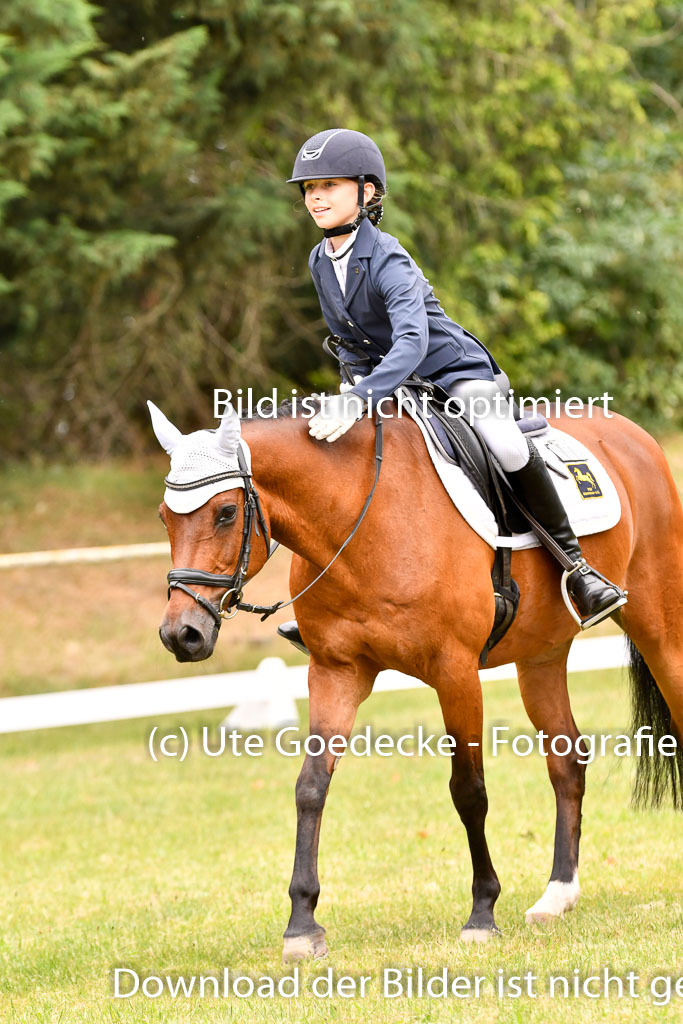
[[227, 514]]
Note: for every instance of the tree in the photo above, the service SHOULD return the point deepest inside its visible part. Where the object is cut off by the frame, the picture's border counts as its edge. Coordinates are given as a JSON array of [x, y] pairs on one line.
[[152, 248], [96, 146]]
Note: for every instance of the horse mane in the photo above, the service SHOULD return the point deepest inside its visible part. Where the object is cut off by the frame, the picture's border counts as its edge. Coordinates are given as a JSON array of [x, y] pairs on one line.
[[286, 410]]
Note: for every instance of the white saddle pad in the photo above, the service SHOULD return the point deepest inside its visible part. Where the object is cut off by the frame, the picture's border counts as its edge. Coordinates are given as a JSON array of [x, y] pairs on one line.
[[586, 491]]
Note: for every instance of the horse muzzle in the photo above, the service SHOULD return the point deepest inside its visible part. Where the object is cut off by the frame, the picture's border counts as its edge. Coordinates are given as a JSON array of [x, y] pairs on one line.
[[191, 635]]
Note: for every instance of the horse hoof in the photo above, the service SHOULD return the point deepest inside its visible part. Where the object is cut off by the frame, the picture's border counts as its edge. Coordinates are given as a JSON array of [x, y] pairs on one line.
[[305, 947], [558, 898], [478, 935]]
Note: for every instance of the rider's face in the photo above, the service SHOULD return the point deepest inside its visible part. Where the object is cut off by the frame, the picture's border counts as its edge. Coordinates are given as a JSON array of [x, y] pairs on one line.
[[333, 201]]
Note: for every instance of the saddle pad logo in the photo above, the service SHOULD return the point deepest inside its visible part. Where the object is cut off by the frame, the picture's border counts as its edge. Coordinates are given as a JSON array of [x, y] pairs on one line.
[[564, 449], [585, 481]]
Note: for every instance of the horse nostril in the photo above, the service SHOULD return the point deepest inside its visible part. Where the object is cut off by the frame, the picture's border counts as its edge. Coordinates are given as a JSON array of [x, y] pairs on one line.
[[165, 638], [190, 638]]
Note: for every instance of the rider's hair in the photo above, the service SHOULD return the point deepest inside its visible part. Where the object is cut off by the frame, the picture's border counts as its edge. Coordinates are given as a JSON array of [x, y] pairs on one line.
[[375, 210]]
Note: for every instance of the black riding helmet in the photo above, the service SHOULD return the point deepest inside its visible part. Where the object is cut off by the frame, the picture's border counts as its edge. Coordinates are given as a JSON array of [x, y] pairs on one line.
[[342, 153]]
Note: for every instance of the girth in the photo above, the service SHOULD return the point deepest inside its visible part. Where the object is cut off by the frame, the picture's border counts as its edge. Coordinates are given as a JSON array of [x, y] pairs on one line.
[[461, 444]]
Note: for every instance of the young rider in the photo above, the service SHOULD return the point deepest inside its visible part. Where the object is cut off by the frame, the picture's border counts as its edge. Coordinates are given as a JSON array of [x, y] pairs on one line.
[[374, 295]]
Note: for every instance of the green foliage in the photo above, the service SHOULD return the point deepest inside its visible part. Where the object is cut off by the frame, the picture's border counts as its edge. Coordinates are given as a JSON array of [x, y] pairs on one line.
[[151, 248], [558, 240], [95, 147]]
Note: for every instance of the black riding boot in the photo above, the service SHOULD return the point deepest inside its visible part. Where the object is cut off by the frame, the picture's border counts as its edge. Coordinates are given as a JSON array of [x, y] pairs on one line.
[[595, 598], [290, 631]]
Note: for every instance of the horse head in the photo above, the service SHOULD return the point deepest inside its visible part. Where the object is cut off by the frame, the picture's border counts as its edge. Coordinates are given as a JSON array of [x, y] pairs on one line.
[[210, 510]]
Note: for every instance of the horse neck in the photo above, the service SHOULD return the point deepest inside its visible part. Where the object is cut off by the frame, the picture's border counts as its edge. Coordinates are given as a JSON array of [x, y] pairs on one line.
[[312, 491]]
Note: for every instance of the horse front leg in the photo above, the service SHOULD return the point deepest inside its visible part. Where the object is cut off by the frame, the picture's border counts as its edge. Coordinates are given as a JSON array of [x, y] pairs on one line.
[[461, 705], [335, 692]]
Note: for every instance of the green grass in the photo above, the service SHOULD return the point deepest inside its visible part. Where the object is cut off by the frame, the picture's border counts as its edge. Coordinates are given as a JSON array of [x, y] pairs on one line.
[[45, 507], [110, 859]]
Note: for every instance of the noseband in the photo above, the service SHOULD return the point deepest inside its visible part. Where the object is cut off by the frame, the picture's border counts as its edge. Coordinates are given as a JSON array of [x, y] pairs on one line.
[[178, 579]]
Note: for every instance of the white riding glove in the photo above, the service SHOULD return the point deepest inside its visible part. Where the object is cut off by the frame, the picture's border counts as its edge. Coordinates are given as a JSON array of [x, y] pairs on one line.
[[345, 386], [337, 415]]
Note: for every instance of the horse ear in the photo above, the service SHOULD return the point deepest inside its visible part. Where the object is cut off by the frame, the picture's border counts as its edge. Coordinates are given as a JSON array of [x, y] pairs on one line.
[[228, 435], [168, 436]]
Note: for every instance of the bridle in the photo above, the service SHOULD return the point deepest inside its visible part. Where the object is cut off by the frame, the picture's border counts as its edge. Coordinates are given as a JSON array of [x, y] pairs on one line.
[[253, 517], [231, 601]]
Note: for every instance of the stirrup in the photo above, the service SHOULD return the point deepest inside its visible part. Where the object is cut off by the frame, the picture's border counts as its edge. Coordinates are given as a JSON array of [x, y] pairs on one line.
[[582, 567]]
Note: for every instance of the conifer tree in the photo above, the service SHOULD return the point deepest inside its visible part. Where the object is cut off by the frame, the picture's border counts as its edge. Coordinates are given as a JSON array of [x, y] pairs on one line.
[[150, 247]]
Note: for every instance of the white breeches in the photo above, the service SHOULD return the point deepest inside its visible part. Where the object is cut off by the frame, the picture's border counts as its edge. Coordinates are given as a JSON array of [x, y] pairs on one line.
[[485, 407]]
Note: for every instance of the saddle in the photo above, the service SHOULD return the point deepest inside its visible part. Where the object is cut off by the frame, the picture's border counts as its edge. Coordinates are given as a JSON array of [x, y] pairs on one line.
[[459, 443]]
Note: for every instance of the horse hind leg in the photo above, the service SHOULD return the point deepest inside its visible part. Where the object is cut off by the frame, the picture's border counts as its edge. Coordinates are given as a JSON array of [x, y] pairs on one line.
[[543, 685]]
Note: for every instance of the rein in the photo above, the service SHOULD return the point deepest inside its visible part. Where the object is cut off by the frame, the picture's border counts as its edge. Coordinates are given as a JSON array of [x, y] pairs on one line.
[[253, 517]]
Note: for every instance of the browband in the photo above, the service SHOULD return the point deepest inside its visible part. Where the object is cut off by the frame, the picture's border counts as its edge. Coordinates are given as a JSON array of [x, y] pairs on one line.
[[194, 484]]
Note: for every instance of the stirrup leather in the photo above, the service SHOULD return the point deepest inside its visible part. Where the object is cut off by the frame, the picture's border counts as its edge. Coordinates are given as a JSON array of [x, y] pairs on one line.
[[582, 567]]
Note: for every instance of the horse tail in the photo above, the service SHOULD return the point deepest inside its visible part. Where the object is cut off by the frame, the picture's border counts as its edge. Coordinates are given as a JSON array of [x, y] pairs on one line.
[[658, 775]]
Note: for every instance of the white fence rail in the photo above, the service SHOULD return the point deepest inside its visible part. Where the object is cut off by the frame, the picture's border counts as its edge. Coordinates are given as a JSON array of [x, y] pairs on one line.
[[272, 681], [272, 685], [66, 556]]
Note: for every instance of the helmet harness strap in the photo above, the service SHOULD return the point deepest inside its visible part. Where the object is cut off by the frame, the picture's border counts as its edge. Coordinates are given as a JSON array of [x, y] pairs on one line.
[[346, 229]]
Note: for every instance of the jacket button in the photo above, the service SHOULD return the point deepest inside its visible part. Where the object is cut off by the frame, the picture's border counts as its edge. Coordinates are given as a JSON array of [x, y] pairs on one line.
[[365, 341], [350, 323]]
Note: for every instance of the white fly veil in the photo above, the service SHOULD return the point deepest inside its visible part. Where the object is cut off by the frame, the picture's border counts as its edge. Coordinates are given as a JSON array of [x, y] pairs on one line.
[[203, 463]]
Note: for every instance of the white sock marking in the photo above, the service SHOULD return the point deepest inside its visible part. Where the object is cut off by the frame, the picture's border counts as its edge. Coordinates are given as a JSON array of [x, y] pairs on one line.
[[557, 898]]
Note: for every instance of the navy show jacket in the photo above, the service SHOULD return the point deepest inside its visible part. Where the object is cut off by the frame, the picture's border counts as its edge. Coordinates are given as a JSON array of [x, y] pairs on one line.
[[391, 311]]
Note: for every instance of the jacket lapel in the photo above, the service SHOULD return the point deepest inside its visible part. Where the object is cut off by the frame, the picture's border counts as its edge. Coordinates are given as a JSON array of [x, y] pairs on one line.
[[362, 249], [355, 272], [331, 287]]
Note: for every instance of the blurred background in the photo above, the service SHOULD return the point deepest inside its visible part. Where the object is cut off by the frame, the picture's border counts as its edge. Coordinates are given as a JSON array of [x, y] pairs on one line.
[[150, 247]]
